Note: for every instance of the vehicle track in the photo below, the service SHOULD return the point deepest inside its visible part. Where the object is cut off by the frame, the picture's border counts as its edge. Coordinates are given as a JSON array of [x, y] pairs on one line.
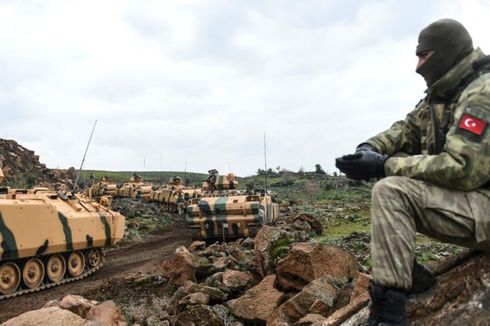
[[120, 262]]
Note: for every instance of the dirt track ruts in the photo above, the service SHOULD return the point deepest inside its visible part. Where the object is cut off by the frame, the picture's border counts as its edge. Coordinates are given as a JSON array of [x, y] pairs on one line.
[[120, 262]]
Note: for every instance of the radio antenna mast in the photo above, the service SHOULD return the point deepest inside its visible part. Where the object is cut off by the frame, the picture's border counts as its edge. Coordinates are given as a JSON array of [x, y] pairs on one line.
[[83, 160], [265, 162], [161, 168], [185, 170]]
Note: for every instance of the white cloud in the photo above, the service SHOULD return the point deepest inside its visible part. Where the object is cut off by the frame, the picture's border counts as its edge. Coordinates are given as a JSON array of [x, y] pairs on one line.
[[203, 80]]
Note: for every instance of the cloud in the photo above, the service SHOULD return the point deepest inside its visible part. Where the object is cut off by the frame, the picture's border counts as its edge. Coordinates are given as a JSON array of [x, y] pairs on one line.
[[201, 81]]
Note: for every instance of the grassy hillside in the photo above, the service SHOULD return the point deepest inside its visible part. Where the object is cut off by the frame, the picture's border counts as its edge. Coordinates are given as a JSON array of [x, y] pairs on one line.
[[151, 176]]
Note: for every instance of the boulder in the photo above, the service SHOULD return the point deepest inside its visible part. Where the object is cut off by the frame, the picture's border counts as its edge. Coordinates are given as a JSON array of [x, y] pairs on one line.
[[216, 280], [77, 304], [195, 298], [53, 316], [197, 245], [106, 313], [318, 297], [273, 243], [309, 261], [180, 268], [236, 280], [215, 294], [361, 287], [258, 303]]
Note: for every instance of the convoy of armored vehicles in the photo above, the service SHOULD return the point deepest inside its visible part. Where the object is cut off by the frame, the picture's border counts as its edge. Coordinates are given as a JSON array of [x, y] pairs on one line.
[[216, 211], [50, 238]]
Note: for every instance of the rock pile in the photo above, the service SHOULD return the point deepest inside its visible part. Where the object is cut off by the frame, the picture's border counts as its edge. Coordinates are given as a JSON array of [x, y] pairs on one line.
[[278, 278], [143, 218], [23, 169]]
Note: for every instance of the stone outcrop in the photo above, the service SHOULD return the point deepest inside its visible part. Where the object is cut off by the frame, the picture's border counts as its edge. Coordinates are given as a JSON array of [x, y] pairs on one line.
[[307, 262], [258, 303], [180, 268], [273, 243], [22, 169], [318, 297]]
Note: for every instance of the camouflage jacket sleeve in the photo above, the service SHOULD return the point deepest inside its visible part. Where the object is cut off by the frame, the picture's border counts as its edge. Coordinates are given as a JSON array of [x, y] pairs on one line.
[[402, 136], [464, 163]]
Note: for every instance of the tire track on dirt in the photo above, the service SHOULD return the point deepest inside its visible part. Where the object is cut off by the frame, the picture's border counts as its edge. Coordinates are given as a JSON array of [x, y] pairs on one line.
[[120, 262]]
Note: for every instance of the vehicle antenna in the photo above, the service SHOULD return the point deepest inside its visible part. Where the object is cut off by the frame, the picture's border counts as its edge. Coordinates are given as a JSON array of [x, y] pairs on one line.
[[83, 160], [265, 162], [161, 168], [185, 170]]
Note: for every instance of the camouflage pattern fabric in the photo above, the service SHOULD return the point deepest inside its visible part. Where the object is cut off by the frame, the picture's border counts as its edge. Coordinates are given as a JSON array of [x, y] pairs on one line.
[[403, 206], [438, 174], [440, 151]]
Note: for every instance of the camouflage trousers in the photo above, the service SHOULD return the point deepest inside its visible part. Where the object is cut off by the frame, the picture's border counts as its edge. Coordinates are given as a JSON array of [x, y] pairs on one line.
[[401, 207]]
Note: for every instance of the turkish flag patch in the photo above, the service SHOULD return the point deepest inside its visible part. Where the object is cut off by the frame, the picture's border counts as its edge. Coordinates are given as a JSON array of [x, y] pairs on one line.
[[472, 124]]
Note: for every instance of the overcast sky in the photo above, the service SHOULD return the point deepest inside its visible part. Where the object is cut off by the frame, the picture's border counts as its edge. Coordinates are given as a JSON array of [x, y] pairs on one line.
[[203, 80]]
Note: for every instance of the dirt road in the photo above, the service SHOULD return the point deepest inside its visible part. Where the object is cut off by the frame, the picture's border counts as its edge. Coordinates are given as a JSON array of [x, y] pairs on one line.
[[120, 262]]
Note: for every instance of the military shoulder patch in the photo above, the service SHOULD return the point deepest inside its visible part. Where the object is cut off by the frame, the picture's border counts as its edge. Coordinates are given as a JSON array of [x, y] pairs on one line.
[[473, 122]]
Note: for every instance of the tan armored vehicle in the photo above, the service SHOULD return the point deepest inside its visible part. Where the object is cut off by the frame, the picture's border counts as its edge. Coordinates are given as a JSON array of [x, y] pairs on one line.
[[174, 195], [135, 188], [226, 213], [49, 238], [103, 187], [216, 182]]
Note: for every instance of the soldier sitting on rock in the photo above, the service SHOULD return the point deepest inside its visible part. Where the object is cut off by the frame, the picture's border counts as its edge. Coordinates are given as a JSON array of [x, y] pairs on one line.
[[435, 166]]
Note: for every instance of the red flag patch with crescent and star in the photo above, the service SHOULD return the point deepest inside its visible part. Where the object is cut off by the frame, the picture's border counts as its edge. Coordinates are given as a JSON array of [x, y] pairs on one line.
[[472, 124]]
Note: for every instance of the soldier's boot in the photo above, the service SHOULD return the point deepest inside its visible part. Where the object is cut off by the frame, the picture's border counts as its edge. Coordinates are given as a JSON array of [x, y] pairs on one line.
[[422, 279], [387, 306]]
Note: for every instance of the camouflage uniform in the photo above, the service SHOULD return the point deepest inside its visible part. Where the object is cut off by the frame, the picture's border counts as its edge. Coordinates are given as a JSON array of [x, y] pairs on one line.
[[438, 174], [180, 204]]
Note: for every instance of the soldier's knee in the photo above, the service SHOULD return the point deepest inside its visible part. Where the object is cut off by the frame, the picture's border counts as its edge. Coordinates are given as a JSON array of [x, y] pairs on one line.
[[388, 185]]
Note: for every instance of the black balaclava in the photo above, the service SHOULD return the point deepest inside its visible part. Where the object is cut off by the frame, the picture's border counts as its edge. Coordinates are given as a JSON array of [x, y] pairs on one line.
[[450, 42]]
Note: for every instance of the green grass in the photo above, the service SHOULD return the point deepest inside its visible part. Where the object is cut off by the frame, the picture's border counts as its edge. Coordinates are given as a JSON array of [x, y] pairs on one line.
[[339, 229], [150, 176]]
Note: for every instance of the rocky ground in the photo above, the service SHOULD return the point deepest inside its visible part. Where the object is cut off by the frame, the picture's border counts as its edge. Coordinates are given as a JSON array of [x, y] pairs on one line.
[[282, 277], [310, 268]]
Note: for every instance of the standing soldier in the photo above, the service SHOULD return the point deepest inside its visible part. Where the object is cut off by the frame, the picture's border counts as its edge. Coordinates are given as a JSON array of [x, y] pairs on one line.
[[437, 168], [212, 178], [180, 203]]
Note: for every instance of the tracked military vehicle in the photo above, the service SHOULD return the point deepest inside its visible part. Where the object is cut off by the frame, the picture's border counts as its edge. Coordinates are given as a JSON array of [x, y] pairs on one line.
[[135, 188], [173, 194], [103, 187], [49, 238], [224, 213]]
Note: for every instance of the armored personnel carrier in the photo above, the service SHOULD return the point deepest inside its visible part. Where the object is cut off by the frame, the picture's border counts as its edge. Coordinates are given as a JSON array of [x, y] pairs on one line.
[[103, 187], [173, 194], [224, 213], [49, 238], [135, 188]]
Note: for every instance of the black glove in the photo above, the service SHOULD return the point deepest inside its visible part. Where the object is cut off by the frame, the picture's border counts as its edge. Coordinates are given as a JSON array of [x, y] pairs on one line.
[[364, 164]]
